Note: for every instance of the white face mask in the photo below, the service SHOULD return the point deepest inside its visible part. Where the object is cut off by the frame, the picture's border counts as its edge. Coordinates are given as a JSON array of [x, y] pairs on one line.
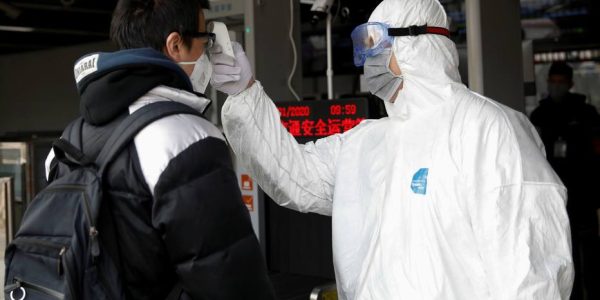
[[380, 79], [202, 73]]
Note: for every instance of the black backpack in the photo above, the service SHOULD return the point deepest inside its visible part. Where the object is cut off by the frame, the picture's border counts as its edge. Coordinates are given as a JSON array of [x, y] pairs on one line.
[[56, 253]]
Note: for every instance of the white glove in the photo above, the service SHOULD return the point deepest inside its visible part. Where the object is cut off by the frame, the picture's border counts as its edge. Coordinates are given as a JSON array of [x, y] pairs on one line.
[[228, 79]]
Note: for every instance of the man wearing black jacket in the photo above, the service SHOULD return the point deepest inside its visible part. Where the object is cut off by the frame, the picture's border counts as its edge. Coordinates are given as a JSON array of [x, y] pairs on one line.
[[171, 198], [568, 127]]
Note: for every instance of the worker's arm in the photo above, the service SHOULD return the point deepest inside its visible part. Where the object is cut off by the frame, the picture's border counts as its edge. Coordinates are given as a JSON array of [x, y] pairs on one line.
[[300, 177]]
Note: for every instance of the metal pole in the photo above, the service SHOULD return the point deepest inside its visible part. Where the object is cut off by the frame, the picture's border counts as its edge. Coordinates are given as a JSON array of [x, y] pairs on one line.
[[249, 43], [474, 45], [329, 59]]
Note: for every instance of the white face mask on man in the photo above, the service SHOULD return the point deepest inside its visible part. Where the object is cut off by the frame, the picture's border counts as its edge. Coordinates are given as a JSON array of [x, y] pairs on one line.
[[202, 73], [381, 81]]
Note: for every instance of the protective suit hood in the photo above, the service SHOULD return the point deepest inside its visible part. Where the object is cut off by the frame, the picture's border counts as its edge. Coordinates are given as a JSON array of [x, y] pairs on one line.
[[428, 62]]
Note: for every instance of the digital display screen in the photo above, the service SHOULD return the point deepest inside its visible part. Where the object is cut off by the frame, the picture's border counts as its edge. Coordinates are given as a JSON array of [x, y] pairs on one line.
[[311, 120]]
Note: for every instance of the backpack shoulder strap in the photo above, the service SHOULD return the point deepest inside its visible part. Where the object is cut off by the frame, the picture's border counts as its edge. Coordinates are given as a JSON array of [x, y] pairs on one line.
[[134, 123], [73, 133], [67, 148]]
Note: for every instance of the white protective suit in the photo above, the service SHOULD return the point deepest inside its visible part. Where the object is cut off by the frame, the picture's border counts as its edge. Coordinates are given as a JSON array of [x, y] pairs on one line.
[[449, 198]]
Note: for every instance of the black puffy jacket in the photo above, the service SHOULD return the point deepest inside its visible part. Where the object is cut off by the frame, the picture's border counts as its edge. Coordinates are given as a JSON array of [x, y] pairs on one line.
[[173, 202]]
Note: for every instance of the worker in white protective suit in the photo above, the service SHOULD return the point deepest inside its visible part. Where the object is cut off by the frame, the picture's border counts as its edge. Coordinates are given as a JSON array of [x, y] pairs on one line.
[[450, 197]]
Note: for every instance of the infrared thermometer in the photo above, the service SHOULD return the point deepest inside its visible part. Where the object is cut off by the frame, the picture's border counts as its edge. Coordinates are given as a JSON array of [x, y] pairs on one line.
[[222, 39]]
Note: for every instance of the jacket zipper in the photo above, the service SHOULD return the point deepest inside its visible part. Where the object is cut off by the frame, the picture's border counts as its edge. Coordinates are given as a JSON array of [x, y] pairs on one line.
[[18, 283]]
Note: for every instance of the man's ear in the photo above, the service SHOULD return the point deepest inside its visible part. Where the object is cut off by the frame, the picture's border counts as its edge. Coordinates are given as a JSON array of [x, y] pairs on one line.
[[173, 46]]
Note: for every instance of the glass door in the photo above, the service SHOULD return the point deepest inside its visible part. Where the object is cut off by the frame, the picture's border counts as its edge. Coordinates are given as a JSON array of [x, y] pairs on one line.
[[15, 167]]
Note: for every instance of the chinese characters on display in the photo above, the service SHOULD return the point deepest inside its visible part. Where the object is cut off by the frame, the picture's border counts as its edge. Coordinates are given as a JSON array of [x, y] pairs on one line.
[[307, 121]]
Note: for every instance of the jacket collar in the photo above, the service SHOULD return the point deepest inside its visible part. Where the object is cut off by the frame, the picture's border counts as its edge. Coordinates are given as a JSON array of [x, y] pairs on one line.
[[166, 93]]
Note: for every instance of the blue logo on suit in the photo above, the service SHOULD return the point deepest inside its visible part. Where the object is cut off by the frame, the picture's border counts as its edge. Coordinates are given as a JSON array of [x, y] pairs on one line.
[[419, 182]]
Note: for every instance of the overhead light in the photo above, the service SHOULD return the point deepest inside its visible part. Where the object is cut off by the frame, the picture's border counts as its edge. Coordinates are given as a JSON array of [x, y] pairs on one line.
[[10, 11], [16, 28], [53, 31], [61, 7]]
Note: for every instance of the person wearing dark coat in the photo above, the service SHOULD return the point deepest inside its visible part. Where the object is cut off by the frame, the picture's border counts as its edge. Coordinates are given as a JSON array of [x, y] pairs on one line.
[[569, 127]]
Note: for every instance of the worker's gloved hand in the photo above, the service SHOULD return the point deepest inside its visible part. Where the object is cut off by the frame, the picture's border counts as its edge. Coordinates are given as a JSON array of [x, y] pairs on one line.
[[228, 79]]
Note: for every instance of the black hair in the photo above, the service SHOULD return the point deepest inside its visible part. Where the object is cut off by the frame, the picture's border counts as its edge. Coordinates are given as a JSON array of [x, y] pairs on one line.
[[147, 23], [561, 68]]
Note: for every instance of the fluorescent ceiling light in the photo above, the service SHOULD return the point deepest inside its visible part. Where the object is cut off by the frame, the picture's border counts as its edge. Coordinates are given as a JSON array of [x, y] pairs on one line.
[[16, 28]]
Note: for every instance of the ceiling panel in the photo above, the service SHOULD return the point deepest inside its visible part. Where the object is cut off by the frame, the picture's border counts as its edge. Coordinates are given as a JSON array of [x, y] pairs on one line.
[[28, 25]]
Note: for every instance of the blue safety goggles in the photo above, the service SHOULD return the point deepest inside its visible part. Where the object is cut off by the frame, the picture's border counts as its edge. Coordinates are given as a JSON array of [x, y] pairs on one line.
[[370, 39]]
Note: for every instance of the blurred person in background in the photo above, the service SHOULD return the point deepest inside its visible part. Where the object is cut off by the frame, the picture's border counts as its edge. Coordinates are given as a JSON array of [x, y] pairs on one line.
[[568, 127]]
